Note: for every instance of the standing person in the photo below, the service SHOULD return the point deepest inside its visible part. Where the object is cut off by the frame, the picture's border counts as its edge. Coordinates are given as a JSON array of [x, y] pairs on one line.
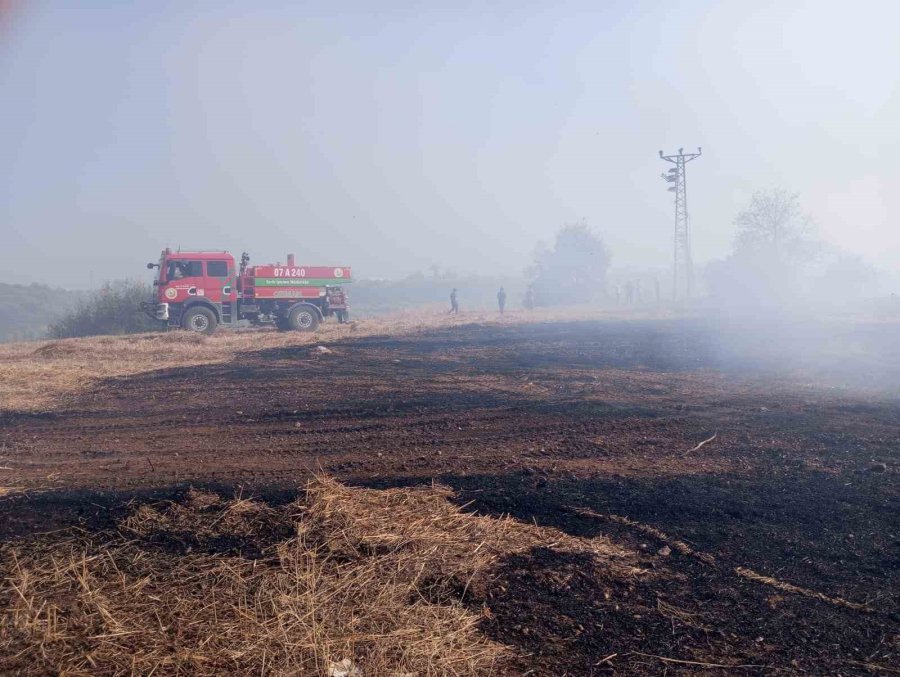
[[454, 306], [529, 299], [501, 299]]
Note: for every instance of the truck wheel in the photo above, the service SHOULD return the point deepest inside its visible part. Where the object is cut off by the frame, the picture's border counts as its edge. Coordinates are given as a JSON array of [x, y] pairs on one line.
[[303, 319], [199, 319]]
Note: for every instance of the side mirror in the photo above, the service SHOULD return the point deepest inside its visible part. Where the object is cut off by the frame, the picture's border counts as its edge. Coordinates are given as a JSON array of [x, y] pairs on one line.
[[151, 266]]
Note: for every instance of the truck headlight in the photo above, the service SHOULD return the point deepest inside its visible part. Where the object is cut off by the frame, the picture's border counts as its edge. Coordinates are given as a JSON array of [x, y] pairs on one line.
[[162, 311]]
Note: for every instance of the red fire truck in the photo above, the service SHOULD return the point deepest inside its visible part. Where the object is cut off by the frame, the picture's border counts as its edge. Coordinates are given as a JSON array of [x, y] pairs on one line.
[[199, 290]]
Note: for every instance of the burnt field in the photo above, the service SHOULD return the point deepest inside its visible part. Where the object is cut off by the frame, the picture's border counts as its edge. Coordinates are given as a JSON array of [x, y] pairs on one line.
[[753, 484]]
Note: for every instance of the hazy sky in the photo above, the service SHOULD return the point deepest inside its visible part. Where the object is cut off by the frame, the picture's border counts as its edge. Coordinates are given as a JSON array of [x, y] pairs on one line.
[[391, 136]]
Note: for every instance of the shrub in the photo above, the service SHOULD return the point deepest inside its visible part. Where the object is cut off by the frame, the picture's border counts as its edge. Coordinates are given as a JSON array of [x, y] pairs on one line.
[[113, 309]]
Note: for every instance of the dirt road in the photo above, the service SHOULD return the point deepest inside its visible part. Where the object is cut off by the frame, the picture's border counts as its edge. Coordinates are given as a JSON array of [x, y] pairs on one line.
[[585, 426]]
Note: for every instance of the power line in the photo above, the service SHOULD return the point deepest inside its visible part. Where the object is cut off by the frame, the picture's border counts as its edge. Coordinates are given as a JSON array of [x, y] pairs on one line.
[[683, 267]]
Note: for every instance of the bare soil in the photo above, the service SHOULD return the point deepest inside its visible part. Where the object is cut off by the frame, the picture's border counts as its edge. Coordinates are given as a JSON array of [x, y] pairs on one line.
[[773, 549]]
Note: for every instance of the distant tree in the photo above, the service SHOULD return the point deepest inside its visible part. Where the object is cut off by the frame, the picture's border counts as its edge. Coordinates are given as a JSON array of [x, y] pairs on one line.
[[113, 309], [774, 224], [846, 279], [573, 270], [775, 241]]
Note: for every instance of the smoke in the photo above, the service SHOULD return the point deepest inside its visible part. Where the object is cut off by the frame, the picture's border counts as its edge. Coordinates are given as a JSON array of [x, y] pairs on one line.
[[786, 303]]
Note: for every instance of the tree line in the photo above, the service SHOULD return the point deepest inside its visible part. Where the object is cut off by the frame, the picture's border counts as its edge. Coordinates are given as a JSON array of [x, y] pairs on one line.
[[776, 258]]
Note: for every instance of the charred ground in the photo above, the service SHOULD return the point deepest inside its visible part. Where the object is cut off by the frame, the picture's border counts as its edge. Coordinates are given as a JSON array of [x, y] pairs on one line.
[[583, 426]]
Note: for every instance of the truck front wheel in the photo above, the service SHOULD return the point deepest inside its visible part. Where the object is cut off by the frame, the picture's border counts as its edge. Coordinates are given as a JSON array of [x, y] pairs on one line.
[[200, 320], [303, 319]]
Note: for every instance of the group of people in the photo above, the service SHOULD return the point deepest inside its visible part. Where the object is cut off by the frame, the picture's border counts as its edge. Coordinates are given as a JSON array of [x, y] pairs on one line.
[[501, 300], [633, 294]]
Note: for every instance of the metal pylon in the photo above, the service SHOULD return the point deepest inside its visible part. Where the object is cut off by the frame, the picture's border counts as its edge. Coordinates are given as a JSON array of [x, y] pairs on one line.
[[683, 267]]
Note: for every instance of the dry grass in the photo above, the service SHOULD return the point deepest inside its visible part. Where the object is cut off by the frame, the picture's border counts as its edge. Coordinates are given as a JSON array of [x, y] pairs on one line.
[[784, 586], [371, 576], [44, 375]]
